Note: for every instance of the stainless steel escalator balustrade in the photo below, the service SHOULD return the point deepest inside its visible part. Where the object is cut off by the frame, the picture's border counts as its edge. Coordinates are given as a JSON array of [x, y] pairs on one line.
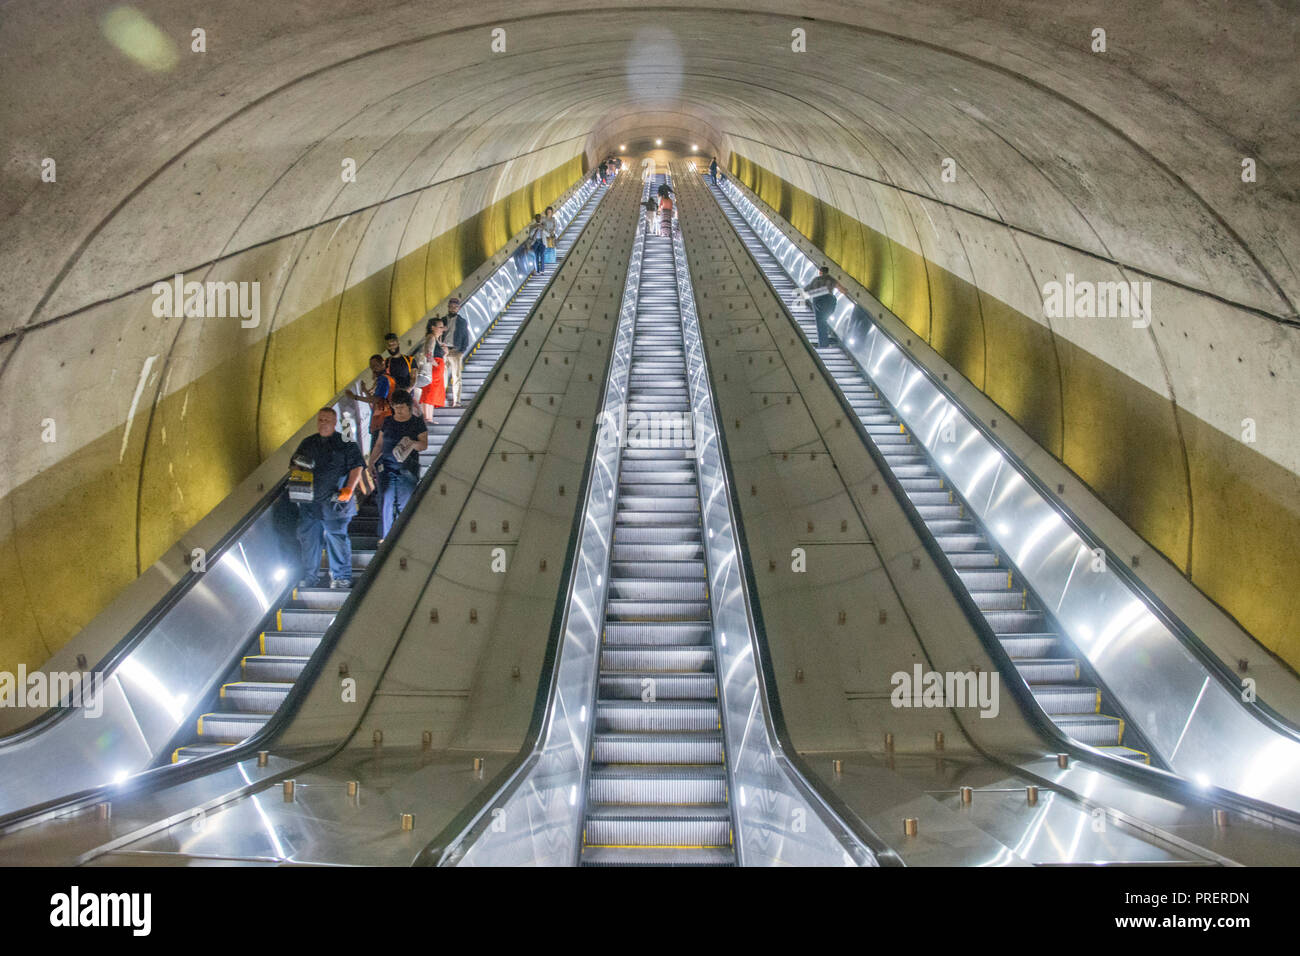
[[658, 780]]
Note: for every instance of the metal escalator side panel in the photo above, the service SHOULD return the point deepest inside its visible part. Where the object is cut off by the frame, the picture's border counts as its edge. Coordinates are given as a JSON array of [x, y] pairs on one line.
[[535, 816], [779, 817], [211, 621], [1188, 711]]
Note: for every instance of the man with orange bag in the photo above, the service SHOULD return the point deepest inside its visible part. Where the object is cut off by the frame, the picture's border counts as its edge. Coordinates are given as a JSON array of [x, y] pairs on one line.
[[323, 477]]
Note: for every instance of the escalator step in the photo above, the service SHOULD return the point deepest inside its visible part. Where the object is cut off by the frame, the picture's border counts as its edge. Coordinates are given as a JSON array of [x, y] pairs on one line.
[[1060, 700], [703, 747], [659, 856], [635, 716], [663, 785]]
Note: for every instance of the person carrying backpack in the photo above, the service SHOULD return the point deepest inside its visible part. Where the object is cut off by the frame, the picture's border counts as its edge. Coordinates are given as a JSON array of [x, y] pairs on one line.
[[377, 396], [400, 367]]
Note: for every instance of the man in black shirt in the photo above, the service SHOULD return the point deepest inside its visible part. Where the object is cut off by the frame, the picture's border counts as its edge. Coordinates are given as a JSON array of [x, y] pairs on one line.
[[324, 513], [397, 455], [399, 366]]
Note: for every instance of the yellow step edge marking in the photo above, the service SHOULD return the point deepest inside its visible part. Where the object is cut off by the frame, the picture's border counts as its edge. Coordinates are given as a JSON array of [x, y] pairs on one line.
[[1098, 708], [1121, 730], [201, 716], [278, 625]]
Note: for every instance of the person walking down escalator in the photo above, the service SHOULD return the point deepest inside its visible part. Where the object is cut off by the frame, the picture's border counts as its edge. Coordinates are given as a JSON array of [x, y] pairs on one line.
[[456, 343], [537, 242], [395, 460], [377, 395], [713, 170], [431, 374], [821, 295], [552, 226], [323, 477]]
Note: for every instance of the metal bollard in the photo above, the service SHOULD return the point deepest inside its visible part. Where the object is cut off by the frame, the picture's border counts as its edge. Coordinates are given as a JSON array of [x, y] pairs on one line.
[[910, 826]]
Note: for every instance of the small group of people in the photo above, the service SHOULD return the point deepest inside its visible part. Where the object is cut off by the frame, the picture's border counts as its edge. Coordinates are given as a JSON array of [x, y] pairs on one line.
[[660, 210], [608, 169], [327, 468], [542, 234]]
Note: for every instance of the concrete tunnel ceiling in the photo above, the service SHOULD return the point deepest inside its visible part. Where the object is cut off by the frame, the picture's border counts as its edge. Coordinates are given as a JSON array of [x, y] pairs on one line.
[[225, 164]]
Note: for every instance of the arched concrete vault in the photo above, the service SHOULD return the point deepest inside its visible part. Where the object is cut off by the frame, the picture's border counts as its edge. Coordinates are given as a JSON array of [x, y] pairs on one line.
[[1116, 166]]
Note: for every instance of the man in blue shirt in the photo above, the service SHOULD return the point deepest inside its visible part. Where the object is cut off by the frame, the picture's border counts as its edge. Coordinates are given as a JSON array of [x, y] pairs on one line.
[[456, 341], [397, 456], [334, 466]]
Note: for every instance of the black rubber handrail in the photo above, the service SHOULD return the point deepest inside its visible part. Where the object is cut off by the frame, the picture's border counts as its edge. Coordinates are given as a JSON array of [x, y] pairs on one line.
[[174, 774]]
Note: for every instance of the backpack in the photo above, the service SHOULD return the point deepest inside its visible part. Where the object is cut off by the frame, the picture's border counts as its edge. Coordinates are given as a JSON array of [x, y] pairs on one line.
[[410, 368], [383, 407]]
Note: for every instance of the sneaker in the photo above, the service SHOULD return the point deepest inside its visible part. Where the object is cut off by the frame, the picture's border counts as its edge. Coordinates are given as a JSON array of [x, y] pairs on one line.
[[339, 585]]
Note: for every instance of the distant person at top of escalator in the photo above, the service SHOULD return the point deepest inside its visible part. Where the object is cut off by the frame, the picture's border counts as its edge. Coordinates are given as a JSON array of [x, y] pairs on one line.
[[395, 460], [323, 477], [821, 294], [713, 170]]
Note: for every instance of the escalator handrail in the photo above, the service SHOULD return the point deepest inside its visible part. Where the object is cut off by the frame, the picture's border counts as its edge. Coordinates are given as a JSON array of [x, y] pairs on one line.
[[173, 774], [466, 825], [1161, 780], [1216, 665], [833, 812]]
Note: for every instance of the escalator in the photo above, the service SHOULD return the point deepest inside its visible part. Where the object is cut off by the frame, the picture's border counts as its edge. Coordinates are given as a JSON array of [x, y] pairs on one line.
[[656, 741], [657, 781], [274, 659], [210, 665], [1095, 659], [1057, 675]]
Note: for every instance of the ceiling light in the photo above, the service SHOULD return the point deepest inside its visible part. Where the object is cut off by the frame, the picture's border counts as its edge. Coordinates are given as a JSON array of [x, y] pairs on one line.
[[659, 142]]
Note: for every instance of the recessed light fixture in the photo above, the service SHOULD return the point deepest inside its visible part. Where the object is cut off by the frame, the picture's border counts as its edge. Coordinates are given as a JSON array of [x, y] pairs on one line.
[[622, 148], [659, 142], [694, 147]]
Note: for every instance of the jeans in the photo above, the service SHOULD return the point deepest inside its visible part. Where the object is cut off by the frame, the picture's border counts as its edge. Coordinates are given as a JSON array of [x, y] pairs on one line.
[[822, 315], [314, 531], [395, 488], [539, 250], [714, 174]]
